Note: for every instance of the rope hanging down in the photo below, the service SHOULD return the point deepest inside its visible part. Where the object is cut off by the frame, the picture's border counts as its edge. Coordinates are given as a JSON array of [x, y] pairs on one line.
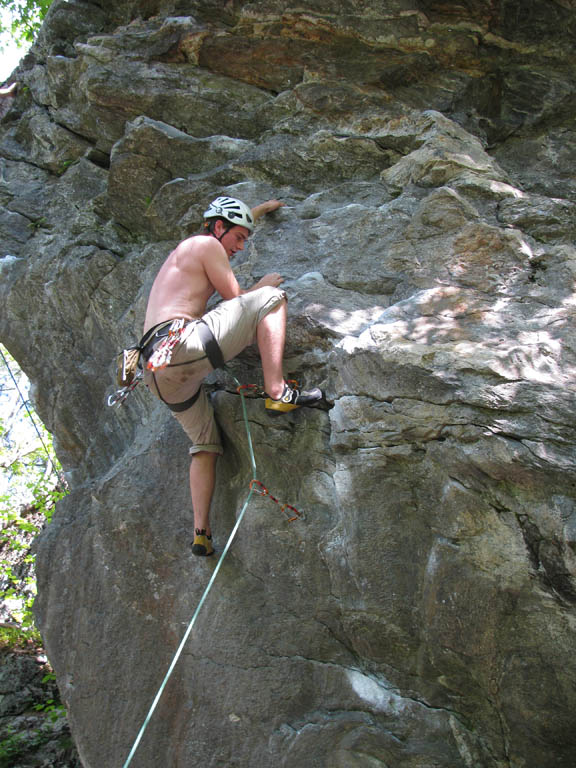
[[57, 472], [255, 486]]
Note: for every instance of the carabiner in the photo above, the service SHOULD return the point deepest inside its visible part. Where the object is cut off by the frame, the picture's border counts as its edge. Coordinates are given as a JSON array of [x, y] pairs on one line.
[[118, 397], [121, 394], [263, 492]]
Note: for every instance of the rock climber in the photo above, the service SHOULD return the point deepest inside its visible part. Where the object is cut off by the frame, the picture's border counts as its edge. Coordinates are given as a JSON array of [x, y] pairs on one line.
[[183, 343]]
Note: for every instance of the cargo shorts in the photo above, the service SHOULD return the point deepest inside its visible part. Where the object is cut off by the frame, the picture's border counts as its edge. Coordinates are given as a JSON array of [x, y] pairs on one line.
[[233, 324]]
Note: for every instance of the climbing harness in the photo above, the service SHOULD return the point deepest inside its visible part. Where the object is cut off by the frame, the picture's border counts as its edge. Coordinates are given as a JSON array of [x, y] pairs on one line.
[[128, 367], [210, 344], [160, 357], [255, 486], [211, 349]]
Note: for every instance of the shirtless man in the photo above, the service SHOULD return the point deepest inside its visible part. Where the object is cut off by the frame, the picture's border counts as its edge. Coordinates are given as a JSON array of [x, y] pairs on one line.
[[199, 266]]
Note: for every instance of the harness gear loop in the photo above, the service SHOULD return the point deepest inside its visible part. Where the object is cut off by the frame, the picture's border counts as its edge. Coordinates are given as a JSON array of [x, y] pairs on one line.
[[162, 355], [132, 381]]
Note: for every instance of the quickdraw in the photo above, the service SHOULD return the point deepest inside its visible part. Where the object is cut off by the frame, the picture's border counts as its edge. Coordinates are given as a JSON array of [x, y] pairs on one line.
[[255, 485], [163, 352], [263, 491], [244, 389]]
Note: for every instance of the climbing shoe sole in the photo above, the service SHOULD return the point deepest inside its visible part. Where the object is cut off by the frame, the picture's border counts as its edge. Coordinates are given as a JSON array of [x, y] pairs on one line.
[[202, 545], [278, 405], [201, 550]]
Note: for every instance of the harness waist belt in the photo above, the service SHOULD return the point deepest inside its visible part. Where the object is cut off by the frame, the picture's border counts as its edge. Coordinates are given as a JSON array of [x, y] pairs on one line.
[[147, 342]]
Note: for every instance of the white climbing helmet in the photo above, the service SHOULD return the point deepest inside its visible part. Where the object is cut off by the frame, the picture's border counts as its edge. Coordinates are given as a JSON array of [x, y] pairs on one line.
[[231, 209]]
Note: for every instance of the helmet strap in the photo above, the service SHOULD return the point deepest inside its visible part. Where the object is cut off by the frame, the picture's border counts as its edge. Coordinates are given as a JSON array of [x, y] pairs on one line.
[[210, 225]]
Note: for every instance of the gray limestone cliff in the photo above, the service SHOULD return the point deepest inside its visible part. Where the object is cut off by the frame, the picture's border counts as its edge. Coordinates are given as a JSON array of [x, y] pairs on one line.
[[423, 613]]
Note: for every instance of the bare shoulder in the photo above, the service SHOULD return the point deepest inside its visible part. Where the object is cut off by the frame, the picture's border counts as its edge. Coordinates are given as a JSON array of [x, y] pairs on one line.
[[194, 243], [195, 249]]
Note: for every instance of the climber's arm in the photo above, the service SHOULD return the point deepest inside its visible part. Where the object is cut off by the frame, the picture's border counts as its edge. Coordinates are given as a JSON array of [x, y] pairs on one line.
[[267, 207]]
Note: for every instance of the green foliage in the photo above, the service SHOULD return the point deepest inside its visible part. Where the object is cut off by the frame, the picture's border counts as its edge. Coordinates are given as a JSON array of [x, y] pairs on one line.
[[41, 721], [17, 745], [26, 18], [32, 487], [11, 746], [54, 709]]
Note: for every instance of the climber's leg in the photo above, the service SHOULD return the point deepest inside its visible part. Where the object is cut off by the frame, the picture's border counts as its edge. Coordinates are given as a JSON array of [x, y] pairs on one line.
[[202, 481], [271, 335]]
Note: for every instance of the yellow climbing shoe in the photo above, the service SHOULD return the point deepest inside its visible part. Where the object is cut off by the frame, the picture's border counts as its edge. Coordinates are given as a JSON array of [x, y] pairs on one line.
[[293, 398], [202, 544]]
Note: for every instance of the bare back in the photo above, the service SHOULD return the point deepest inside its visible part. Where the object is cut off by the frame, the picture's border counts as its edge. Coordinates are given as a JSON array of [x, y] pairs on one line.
[[187, 279]]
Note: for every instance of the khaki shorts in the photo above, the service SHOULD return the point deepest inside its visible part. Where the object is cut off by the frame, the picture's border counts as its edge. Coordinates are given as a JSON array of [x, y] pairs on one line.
[[233, 324]]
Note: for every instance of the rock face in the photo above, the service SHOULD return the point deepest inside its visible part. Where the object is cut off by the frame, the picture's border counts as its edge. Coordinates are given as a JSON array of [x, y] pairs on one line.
[[423, 613]]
